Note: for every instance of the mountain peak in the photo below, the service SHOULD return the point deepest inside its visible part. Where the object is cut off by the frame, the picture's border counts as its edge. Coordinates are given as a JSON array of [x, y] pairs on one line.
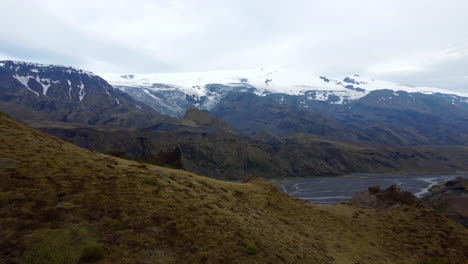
[[266, 81]]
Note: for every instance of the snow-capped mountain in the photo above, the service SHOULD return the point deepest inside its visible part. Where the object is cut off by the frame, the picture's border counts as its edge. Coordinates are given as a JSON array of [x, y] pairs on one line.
[[286, 102], [64, 94], [173, 93], [40, 78], [282, 102]]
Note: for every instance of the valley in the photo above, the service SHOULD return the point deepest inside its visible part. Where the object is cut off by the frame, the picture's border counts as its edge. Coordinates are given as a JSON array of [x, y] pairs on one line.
[[233, 132], [114, 180], [330, 190]]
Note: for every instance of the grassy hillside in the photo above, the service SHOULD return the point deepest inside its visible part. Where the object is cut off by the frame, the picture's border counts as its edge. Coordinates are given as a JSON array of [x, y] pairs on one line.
[[63, 204]]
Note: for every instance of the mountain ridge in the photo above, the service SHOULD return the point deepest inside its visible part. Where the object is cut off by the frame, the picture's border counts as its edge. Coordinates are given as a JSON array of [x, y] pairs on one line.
[[196, 86], [284, 103]]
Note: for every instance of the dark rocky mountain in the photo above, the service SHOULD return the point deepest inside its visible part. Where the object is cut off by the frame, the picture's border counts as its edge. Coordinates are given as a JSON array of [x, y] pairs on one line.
[[285, 103], [52, 93], [379, 117]]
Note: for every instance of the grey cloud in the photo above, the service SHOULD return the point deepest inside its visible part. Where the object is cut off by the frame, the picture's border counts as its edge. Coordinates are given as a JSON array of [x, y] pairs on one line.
[[385, 39]]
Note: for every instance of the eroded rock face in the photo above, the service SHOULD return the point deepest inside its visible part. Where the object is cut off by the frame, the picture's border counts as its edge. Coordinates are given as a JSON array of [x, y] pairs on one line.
[[450, 199], [392, 197]]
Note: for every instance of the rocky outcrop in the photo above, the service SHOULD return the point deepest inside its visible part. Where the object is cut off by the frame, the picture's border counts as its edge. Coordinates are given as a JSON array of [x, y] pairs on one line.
[[392, 197], [450, 199]]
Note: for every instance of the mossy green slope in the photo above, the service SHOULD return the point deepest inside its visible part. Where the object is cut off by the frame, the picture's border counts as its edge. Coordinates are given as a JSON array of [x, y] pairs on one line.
[[109, 210]]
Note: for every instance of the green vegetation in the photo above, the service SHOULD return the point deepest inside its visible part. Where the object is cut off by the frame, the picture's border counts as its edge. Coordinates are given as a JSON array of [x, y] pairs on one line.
[[8, 164], [438, 260], [250, 248], [68, 245], [150, 181], [92, 253], [4, 199]]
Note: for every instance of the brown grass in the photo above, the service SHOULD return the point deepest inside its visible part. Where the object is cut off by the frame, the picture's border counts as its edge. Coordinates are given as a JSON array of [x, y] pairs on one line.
[[141, 213]]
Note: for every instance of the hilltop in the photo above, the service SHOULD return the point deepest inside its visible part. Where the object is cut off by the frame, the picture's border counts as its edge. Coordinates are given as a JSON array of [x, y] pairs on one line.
[[62, 204]]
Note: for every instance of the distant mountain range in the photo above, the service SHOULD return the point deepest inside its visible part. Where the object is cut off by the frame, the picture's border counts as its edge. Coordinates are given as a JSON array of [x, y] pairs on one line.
[[174, 93], [285, 102], [262, 130]]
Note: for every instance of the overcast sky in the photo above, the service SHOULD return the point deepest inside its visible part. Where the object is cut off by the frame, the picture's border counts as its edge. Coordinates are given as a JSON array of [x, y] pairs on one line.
[[417, 42]]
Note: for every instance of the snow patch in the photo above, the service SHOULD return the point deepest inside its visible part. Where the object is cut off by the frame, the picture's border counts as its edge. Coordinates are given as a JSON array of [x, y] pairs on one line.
[[69, 89], [45, 83], [24, 81], [151, 95], [279, 81], [105, 89], [81, 93]]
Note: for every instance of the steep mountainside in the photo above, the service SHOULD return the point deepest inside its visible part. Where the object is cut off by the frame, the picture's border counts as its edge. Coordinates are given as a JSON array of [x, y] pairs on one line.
[[379, 117], [63, 94], [63, 204]]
